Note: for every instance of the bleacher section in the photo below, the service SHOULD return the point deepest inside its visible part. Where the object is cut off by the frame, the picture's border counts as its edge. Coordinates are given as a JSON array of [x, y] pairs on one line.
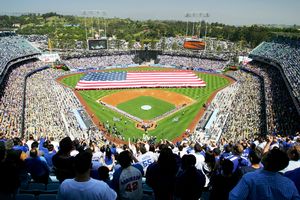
[[283, 52], [14, 47]]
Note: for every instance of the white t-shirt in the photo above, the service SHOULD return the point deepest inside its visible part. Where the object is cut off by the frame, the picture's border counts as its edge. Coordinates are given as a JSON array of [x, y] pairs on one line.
[[292, 165], [29, 142], [97, 156], [56, 145], [200, 161], [74, 152], [96, 160], [92, 190]]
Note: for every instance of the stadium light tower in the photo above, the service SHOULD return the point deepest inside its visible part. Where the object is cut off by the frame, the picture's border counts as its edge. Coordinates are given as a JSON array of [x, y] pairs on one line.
[[97, 14], [196, 16]]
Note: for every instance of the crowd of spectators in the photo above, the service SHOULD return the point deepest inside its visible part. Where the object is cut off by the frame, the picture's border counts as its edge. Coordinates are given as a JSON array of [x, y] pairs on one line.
[[183, 170], [83, 53], [48, 108], [282, 116], [100, 61], [285, 52], [194, 63], [11, 100], [38, 41], [241, 112], [51, 110], [222, 56], [12, 47], [244, 119], [238, 110]]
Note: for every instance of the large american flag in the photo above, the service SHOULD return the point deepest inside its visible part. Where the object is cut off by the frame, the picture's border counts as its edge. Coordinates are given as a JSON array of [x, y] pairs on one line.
[[115, 80]]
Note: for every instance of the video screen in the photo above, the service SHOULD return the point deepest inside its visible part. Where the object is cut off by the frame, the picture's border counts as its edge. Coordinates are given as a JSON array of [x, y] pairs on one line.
[[97, 44]]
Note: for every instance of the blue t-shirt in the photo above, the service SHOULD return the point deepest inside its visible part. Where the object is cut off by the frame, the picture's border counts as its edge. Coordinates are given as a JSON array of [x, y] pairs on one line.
[[262, 184]]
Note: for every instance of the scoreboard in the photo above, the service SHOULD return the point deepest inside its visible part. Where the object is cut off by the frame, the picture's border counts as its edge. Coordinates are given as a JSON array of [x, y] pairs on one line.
[[97, 44], [194, 44]]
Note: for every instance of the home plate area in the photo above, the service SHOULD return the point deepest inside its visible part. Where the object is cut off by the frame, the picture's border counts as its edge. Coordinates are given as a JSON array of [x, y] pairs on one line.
[[146, 106]]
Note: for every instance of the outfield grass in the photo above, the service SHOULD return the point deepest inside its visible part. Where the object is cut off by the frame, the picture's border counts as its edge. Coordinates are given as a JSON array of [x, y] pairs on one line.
[[167, 128], [71, 81], [133, 107]]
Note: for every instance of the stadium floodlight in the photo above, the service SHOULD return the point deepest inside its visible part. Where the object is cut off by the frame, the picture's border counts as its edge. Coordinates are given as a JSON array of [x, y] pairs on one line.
[[196, 16], [94, 14]]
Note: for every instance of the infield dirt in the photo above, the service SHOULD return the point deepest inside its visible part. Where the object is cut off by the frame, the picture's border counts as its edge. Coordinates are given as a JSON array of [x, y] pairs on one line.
[[126, 95]]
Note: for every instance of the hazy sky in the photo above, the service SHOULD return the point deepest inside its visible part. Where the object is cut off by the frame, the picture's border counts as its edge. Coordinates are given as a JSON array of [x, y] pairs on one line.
[[235, 12]]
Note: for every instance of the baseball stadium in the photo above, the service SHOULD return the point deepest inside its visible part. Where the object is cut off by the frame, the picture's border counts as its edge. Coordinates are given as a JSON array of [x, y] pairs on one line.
[[100, 107]]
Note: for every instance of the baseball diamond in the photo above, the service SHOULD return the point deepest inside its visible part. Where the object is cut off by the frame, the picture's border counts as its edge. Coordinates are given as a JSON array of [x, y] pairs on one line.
[[188, 105]]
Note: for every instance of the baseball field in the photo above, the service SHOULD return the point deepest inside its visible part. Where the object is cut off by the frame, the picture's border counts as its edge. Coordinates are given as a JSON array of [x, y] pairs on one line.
[[146, 107], [173, 109]]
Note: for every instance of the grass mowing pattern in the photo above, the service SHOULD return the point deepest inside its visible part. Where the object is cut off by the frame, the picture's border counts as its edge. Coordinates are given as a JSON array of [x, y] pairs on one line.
[[71, 81], [133, 107], [167, 128]]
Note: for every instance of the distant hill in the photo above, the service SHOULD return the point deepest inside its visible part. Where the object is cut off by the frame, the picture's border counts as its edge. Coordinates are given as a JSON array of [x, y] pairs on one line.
[[66, 30]]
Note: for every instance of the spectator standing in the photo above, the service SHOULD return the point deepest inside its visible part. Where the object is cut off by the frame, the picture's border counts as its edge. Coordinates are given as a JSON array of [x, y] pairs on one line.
[[294, 156], [37, 167], [30, 141], [146, 158], [9, 174], [82, 186], [294, 175], [224, 182], [200, 159], [237, 158], [190, 181], [49, 156], [63, 161], [109, 159], [161, 175], [267, 183], [255, 159], [127, 180], [103, 174]]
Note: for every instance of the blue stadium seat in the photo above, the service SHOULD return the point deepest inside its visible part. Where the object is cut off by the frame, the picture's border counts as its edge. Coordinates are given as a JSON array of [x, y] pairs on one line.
[[33, 188], [25, 197], [53, 186], [46, 197], [37, 186]]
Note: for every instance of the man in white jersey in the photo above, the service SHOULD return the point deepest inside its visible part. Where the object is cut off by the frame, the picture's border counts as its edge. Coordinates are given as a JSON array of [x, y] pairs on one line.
[[82, 186], [146, 158], [127, 180], [30, 141], [200, 159]]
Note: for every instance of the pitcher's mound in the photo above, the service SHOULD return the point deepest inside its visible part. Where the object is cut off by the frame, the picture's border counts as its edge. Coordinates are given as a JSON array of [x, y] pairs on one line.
[[146, 107]]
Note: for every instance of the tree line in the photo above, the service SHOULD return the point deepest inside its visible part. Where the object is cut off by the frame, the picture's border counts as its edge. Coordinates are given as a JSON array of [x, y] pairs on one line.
[[69, 29]]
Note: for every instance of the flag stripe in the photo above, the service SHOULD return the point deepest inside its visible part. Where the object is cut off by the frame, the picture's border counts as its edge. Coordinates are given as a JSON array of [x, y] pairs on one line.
[[106, 80]]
